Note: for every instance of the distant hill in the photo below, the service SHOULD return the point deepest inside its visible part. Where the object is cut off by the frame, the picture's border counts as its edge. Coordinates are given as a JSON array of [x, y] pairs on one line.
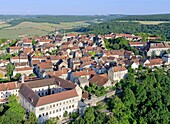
[[156, 17], [17, 19]]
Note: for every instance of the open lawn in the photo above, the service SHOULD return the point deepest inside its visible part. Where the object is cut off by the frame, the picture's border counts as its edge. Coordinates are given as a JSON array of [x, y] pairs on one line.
[[32, 28]]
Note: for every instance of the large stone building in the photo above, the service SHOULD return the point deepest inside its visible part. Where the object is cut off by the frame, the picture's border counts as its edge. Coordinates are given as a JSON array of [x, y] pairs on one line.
[[156, 48], [117, 73], [47, 98]]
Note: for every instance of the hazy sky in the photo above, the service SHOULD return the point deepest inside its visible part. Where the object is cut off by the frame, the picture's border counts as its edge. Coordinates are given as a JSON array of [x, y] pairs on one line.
[[84, 7]]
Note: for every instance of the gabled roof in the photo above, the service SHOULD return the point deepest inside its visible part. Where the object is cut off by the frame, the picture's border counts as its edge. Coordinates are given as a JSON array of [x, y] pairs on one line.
[[36, 101], [118, 68], [99, 80], [8, 86]]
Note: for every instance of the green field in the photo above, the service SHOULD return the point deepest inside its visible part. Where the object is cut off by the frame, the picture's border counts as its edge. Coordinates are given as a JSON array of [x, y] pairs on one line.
[[33, 28], [149, 22]]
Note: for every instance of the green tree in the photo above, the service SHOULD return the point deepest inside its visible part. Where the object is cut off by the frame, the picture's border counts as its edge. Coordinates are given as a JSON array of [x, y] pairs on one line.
[[17, 76], [15, 113], [32, 119], [9, 68], [33, 42], [65, 114], [89, 116]]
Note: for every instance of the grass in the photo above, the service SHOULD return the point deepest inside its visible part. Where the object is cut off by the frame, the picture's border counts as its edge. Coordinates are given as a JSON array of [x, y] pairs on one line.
[[4, 24], [32, 28]]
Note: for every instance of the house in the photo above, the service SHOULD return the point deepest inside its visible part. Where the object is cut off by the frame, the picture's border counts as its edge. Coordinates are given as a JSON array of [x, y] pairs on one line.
[[156, 62], [156, 48], [85, 73], [63, 73], [19, 59], [82, 82], [100, 81], [61, 63], [137, 45], [7, 89], [14, 49], [134, 63], [48, 47], [117, 73], [24, 71], [49, 98], [128, 54]]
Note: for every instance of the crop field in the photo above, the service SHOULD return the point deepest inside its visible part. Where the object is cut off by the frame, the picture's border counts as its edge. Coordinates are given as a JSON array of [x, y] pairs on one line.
[[33, 28], [149, 22], [153, 22]]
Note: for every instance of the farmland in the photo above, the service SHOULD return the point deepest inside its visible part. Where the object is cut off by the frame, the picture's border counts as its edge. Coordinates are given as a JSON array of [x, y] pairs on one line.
[[34, 28]]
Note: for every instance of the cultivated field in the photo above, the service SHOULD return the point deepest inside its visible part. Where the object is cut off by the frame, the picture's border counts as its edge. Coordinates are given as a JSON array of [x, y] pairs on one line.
[[149, 22], [32, 28], [152, 22]]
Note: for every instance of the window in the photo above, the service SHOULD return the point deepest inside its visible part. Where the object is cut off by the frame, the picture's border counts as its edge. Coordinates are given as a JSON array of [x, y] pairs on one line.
[[50, 112], [50, 106], [40, 109], [47, 113], [39, 116], [63, 108], [69, 106], [63, 102], [73, 100], [60, 109], [54, 105], [54, 111], [72, 106], [57, 110], [60, 103]]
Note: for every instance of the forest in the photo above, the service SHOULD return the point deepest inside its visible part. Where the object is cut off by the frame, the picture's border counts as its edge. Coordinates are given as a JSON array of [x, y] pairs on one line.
[[156, 17], [145, 100], [162, 30]]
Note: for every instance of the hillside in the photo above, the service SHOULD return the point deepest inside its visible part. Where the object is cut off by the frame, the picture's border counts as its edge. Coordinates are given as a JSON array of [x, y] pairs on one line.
[[114, 26], [156, 17], [16, 25]]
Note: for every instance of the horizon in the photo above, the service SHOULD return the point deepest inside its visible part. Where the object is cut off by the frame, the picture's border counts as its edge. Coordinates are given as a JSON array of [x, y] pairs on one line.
[[77, 7], [83, 15]]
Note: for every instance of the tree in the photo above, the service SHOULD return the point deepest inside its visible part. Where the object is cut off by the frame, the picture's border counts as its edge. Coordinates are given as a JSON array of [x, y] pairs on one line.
[[9, 68], [15, 113], [51, 121], [33, 42], [1, 108], [32, 119], [65, 114], [89, 116], [17, 76]]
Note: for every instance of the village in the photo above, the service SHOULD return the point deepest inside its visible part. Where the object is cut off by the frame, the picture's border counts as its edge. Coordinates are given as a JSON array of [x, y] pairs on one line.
[[67, 73]]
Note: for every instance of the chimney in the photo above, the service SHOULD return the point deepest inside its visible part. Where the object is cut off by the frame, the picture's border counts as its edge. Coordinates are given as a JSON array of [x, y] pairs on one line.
[[22, 78]]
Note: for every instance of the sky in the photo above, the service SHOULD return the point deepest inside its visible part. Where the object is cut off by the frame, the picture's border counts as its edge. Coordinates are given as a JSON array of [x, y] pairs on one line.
[[83, 7]]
